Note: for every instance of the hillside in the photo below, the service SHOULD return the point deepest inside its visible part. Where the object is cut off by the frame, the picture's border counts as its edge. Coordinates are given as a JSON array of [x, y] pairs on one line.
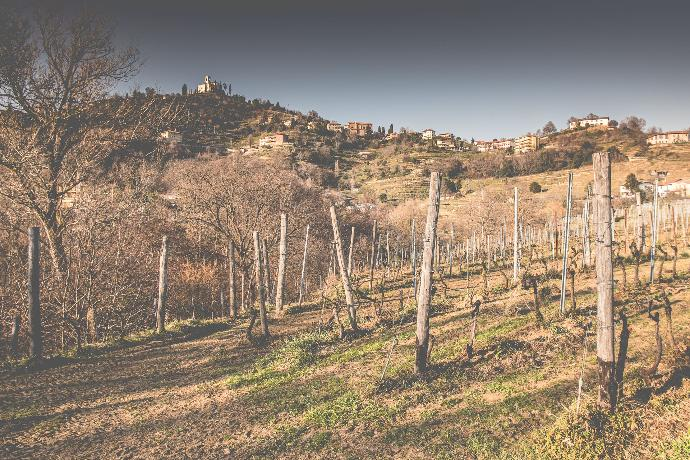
[[203, 393]]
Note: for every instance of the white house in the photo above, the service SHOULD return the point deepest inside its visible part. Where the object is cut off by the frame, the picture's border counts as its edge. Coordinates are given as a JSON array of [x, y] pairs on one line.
[[428, 134], [589, 122]]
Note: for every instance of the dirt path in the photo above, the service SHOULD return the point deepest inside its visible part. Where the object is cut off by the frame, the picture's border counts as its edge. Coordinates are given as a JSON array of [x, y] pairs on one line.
[[159, 400]]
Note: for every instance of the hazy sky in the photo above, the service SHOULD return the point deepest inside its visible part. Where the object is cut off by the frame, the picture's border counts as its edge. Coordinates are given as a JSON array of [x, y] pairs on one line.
[[481, 69]]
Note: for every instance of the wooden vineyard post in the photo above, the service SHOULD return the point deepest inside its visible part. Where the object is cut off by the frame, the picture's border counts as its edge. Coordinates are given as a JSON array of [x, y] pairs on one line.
[[282, 260], [566, 241], [232, 288], [372, 262], [304, 266], [414, 258], [425, 288], [344, 274], [655, 231], [604, 272], [260, 284], [586, 247], [516, 261], [351, 250], [639, 224], [34, 291], [451, 247], [162, 287]]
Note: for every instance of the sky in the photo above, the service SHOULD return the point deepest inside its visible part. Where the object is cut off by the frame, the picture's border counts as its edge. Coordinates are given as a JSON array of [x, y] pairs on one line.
[[481, 69]]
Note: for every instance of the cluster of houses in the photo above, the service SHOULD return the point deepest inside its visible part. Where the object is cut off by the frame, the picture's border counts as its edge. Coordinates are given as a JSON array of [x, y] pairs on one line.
[[678, 187], [522, 144]]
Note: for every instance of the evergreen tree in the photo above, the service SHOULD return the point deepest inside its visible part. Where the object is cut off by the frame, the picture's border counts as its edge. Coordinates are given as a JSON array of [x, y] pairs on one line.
[[390, 129], [184, 89]]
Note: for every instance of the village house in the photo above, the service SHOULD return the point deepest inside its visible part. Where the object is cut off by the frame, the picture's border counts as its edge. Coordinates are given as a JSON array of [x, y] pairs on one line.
[[428, 134], [446, 141], [669, 137], [446, 144], [312, 126], [526, 143], [503, 144], [678, 187], [273, 140], [392, 136], [358, 128], [482, 146], [172, 137], [209, 86], [589, 122], [645, 186], [334, 127]]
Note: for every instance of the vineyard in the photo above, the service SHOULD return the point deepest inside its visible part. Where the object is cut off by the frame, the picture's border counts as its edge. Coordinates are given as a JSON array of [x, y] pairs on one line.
[[337, 298]]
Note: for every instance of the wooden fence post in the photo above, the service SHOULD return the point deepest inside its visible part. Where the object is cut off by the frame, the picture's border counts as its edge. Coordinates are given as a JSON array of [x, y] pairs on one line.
[[604, 271], [425, 288], [162, 287], [344, 274], [260, 283], [282, 260]]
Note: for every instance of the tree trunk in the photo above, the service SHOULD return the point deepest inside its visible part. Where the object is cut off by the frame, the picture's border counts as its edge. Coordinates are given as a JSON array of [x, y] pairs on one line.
[[260, 284], [282, 260], [162, 287], [232, 289], [344, 274], [425, 283], [604, 272], [34, 291]]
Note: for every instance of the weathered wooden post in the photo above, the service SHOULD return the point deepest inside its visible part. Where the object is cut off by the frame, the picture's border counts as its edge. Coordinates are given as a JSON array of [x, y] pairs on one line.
[[304, 266], [655, 231], [516, 261], [425, 288], [566, 241], [451, 250], [34, 288], [260, 284], [604, 271], [344, 274], [414, 258], [282, 260], [586, 243], [232, 289], [372, 262], [14, 337], [351, 250], [639, 232], [162, 286], [266, 270]]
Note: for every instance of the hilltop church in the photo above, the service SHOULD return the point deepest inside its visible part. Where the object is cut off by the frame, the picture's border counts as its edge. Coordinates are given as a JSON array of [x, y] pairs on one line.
[[210, 86]]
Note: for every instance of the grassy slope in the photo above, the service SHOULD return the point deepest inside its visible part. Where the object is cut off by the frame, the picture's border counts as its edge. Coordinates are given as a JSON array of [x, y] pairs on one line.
[[313, 396]]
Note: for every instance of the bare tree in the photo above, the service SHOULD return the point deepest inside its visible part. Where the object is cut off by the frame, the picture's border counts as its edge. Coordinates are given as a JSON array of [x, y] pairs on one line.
[[60, 121]]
